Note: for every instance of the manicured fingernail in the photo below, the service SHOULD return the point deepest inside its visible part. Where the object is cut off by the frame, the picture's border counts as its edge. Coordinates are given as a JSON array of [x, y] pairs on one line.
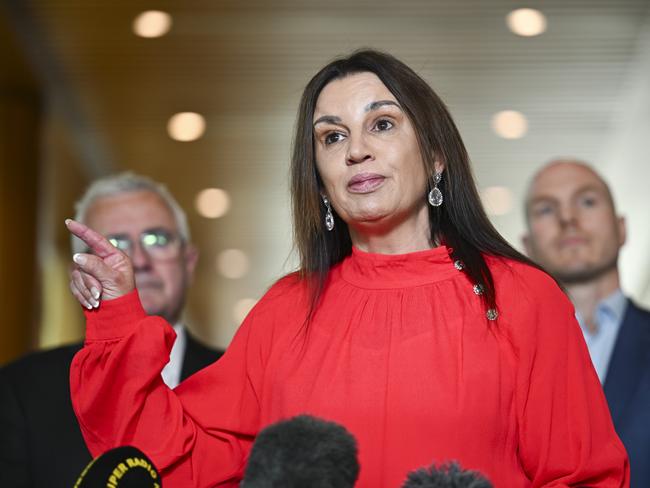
[[67, 221], [95, 303], [89, 306], [79, 259], [95, 292]]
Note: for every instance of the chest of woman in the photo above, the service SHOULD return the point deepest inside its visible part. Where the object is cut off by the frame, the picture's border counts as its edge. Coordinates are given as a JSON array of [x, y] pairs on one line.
[[412, 381]]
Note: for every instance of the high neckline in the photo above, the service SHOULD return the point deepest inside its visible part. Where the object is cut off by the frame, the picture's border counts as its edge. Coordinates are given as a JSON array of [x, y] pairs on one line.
[[386, 271]]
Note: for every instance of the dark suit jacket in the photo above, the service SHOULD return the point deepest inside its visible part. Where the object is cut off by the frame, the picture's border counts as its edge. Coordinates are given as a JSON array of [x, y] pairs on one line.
[[40, 440], [627, 388]]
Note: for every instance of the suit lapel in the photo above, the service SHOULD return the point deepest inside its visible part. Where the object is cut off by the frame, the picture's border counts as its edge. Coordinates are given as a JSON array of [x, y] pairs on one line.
[[197, 356], [628, 361]]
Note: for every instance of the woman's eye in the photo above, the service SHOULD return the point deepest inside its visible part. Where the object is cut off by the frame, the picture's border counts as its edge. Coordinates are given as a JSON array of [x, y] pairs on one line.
[[333, 137], [383, 125]]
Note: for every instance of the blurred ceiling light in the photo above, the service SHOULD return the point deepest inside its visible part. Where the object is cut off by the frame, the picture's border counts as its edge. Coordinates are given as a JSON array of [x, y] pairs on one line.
[[497, 200], [152, 23], [212, 203], [186, 126], [509, 124], [232, 263], [526, 22], [241, 309]]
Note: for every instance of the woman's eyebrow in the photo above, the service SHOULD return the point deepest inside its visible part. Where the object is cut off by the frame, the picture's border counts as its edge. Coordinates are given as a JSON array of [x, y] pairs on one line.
[[333, 119], [381, 103], [330, 119]]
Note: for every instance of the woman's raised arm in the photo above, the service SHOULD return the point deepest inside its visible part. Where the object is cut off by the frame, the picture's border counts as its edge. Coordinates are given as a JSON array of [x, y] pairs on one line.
[[198, 435]]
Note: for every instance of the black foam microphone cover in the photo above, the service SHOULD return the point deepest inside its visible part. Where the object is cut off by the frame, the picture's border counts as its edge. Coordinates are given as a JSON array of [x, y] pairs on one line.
[[122, 467], [303, 451], [449, 475]]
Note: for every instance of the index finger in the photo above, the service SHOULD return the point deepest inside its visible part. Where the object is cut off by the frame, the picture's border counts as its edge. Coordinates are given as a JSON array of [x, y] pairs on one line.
[[97, 243]]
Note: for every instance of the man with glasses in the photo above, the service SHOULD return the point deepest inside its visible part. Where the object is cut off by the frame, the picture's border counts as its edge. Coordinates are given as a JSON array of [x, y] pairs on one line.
[[40, 441]]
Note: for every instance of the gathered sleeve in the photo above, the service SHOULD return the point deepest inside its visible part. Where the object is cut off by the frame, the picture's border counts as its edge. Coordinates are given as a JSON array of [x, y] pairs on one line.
[[198, 434], [566, 434]]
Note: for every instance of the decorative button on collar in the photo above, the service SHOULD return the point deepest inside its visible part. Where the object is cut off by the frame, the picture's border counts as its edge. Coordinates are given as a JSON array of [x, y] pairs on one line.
[[478, 289]]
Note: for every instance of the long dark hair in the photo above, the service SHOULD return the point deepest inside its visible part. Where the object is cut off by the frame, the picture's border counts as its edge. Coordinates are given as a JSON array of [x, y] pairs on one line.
[[460, 222]]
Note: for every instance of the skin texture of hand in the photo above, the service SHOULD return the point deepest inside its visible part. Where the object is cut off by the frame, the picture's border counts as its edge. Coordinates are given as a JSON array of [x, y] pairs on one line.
[[106, 272]]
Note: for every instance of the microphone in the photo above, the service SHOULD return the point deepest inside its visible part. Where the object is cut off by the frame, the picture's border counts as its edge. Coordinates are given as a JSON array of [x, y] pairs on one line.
[[122, 467], [302, 451], [449, 475]]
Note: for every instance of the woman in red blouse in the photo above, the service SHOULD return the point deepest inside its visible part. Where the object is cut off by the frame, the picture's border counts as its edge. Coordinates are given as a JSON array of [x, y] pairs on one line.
[[410, 321]]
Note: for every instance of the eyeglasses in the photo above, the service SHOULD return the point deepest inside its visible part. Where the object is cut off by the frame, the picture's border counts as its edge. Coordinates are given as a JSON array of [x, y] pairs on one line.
[[159, 244]]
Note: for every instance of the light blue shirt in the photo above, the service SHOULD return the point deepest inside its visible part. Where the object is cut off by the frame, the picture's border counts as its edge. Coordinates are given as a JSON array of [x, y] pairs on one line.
[[609, 316]]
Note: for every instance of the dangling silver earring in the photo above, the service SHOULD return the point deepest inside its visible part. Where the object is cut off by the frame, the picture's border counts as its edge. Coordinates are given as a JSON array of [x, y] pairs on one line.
[[329, 217], [435, 195]]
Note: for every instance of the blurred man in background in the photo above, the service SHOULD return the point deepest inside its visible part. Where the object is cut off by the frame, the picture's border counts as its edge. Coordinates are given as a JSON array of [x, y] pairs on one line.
[[575, 233], [41, 444]]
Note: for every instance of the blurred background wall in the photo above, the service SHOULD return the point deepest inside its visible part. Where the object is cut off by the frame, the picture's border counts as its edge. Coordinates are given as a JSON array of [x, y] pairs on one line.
[[88, 88]]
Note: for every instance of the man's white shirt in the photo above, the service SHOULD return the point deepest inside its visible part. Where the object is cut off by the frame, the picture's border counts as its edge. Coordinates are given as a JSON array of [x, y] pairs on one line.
[[171, 373]]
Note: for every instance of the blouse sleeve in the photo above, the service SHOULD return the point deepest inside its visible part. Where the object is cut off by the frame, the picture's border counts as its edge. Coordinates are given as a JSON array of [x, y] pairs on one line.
[[198, 434], [566, 435]]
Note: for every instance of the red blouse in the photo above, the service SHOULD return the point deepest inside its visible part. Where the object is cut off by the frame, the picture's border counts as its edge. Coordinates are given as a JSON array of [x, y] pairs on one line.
[[399, 351]]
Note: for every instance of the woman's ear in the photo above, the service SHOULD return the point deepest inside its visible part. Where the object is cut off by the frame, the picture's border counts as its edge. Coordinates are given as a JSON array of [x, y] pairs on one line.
[[439, 167]]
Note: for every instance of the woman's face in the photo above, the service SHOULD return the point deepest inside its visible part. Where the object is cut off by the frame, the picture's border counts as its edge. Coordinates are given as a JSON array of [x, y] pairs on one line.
[[367, 155]]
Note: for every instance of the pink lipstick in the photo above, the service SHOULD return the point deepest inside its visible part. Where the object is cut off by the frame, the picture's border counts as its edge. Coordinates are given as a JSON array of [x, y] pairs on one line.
[[365, 182]]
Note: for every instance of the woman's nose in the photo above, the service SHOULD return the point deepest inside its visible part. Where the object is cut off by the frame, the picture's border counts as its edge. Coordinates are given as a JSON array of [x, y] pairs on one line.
[[358, 150]]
